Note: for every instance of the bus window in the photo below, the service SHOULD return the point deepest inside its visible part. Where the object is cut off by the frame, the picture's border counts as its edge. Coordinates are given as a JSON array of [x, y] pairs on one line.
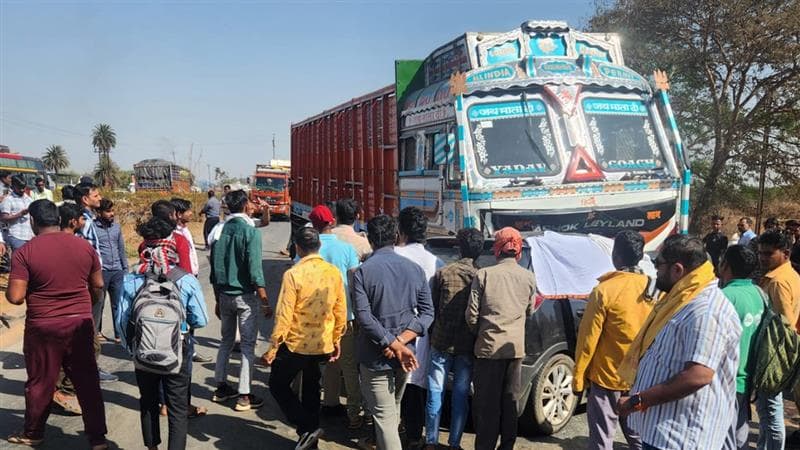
[[622, 135]]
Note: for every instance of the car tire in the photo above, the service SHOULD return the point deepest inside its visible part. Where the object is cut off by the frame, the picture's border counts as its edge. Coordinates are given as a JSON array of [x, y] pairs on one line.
[[551, 402]]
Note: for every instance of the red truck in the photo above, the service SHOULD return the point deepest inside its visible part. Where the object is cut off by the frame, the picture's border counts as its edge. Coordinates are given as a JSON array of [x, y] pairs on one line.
[[270, 184], [347, 151]]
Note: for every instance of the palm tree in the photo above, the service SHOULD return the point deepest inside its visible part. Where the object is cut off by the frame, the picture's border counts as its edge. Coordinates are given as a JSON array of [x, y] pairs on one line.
[[104, 138], [106, 170], [55, 158]]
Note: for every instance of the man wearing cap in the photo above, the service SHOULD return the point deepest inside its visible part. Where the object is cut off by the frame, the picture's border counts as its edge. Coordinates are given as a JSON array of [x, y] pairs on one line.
[[500, 300], [344, 257]]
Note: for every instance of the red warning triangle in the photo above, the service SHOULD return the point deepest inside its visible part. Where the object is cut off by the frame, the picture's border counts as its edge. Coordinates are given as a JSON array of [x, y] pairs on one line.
[[582, 168]]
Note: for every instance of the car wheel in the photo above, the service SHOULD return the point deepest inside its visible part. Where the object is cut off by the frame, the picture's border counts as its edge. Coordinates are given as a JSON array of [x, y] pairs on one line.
[[552, 401]]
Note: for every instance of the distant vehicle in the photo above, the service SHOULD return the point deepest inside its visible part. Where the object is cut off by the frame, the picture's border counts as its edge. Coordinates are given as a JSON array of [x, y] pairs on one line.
[[29, 167], [161, 175], [270, 184], [542, 127]]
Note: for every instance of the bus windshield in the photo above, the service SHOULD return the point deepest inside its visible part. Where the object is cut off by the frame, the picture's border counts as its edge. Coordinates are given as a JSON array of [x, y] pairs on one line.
[[513, 139], [622, 135], [270, 184]]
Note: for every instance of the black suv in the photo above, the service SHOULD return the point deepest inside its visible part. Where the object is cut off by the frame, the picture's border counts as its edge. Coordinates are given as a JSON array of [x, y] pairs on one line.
[[547, 402]]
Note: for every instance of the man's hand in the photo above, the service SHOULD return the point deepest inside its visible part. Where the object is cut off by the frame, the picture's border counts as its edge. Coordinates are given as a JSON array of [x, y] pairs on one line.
[[388, 353], [408, 361], [267, 310], [624, 407], [337, 352], [269, 356], [2, 249]]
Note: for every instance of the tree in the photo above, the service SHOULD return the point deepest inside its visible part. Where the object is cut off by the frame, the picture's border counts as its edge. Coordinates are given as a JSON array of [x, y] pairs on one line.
[[104, 138], [735, 77], [55, 159], [108, 171]]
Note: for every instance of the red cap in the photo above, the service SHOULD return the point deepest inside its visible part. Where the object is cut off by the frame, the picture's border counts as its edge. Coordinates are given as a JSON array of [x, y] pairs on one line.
[[321, 216]]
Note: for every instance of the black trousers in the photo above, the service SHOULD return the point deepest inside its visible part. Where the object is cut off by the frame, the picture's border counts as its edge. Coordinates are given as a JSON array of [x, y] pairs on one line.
[[497, 385], [412, 411], [302, 412], [176, 391], [210, 223]]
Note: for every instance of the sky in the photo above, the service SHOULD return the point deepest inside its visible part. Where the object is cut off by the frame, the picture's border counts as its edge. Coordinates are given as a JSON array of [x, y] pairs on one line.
[[212, 79]]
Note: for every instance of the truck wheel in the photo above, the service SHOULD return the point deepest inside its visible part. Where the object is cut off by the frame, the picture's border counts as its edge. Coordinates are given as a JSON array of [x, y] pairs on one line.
[[551, 402]]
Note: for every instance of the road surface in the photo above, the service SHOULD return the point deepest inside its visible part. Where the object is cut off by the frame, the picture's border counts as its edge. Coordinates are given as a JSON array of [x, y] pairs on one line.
[[223, 428]]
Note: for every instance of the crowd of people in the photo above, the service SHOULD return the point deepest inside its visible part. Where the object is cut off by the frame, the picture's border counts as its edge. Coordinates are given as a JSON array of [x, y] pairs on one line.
[[666, 357]]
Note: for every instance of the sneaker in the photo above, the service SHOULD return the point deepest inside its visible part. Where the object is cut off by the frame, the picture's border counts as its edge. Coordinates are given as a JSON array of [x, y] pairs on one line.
[[247, 402], [106, 377], [333, 411], [224, 392], [309, 440], [198, 358]]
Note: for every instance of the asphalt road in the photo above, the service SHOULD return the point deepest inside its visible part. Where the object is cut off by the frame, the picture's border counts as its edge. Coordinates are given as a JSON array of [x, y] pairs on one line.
[[223, 427]]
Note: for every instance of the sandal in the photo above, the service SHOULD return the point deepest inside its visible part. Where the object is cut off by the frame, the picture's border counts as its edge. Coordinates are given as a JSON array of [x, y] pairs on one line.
[[68, 403], [197, 411], [21, 438]]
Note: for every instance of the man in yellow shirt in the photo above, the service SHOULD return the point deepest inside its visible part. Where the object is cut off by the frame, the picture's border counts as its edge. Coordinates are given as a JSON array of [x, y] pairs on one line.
[[617, 309], [309, 322], [782, 285]]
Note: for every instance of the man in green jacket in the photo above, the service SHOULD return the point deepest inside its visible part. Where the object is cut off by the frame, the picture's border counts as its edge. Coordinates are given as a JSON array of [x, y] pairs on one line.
[[237, 274], [736, 267]]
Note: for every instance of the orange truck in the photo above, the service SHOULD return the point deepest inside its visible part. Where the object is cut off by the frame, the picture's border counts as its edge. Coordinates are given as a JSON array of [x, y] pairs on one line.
[[270, 184]]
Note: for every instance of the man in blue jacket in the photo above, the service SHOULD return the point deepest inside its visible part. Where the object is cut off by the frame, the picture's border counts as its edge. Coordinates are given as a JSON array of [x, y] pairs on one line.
[[115, 260], [393, 307]]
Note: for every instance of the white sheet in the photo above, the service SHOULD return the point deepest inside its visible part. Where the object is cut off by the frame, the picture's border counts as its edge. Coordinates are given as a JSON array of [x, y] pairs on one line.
[[569, 265]]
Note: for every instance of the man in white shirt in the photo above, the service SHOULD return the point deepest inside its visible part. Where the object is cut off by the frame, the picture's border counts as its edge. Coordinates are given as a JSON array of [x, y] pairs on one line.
[[14, 212]]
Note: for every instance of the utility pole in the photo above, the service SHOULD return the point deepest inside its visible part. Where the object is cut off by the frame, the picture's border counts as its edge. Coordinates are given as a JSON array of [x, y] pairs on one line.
[[210, 181], [273, 145], [762, 178]]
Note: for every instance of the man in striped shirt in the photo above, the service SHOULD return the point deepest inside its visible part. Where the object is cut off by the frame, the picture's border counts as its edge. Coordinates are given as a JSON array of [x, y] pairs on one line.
[[684, 394]]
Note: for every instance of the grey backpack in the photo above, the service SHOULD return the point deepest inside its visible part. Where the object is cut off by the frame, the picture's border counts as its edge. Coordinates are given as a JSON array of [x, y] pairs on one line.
[[154, 327]]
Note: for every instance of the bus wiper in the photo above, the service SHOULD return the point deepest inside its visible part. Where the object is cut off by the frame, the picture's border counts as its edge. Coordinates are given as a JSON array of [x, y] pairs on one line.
[[529, 121]]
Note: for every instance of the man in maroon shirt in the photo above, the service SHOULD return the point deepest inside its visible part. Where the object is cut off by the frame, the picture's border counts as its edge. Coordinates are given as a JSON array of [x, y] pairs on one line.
[[60, 284]]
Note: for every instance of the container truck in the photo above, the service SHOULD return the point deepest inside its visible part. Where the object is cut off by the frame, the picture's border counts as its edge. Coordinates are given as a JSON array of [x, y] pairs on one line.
[[270, 184], [541, 128]]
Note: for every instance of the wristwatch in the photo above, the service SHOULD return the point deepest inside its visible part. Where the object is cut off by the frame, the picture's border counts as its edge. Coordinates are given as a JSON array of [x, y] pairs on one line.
[[636, 402]]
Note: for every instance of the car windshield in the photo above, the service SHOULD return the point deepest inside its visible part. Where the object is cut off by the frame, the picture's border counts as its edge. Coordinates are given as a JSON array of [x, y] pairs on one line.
[[513, 139], [622, 135], [270, 184]]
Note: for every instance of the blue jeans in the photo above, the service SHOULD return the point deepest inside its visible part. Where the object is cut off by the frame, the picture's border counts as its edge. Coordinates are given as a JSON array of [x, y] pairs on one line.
[[112, 285], [771, 429], [441, 364]]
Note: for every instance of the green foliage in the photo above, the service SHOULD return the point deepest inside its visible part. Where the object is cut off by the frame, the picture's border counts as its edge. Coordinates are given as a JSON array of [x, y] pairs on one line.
[[55, 159], [104, 138], [735, 78]]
